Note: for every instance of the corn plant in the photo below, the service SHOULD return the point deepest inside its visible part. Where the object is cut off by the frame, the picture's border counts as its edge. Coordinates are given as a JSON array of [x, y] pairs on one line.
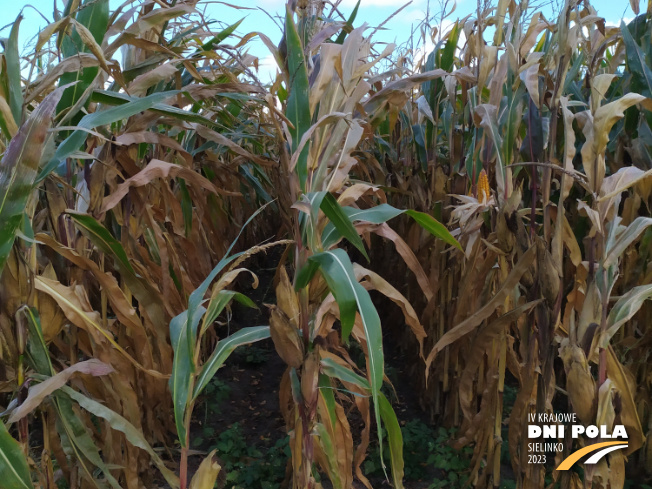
[[188, 378], [324, 130]]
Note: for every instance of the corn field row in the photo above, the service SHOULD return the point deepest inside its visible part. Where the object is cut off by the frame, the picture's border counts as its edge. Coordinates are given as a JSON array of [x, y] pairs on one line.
[[494, 186]]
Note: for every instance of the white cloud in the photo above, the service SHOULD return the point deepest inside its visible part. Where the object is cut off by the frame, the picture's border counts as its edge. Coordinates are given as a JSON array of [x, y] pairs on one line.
[[267, 68], [616, 23]]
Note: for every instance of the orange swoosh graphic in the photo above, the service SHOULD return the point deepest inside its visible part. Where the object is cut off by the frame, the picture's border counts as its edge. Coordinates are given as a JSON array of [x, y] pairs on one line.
[[575, 456]]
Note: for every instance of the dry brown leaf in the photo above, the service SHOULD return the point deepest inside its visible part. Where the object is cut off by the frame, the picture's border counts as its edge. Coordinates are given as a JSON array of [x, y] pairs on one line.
[[222, 140], [354, 192], [8, 117], [469, 324], [90, 42], [408, 256], [530, 78], [206, 475], [138, 87], [629, 413], [39, 392], [537, 25], [481, 343], [399, 87], [286, 338], [120, 305], [161, 169]]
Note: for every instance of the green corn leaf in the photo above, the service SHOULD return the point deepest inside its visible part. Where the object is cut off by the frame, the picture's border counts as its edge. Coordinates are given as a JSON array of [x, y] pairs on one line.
[[197, 296], [73, 142], [183, 334], [37, 350], [295, 386], [338, 272], [350, 296], [18, 170], [181, 331], [207, 46], [377, 215], [186, 205], [636, 63], [219, 302], [342, 223], [12, 58], [434, 227], [13, 465], [144, 291], [448, 53], [394, 439], [624, 310], [335, 370], [616, 247], [419, 138], [306, 273], [81, 442], [349, 24], [102, 238], [94, 15], [383, 213], [298, 105], [327, 445], [115, 98], [118, 423], [512, 123], [224, 348], [326, 391]]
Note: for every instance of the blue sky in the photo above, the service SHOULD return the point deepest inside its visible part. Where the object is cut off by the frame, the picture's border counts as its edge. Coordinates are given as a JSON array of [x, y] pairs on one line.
[[374, 12]]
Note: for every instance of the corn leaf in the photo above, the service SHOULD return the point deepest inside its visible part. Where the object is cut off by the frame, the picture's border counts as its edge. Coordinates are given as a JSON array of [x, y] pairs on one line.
[[207, 473], [342, 223], [298, 105], [118, 423], [351, 297], [636, 64], [13, 466], [102, 238], [73, 142], [94, 16], [216, 40], [80, 442], [181, 334], [224, 348], [624, 310], [335, 370], [349, 24], [37, 393], [627, 237], [219, 302], [18, 171], [327, 445], [12, 57], [394, 439], [383, 213]]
